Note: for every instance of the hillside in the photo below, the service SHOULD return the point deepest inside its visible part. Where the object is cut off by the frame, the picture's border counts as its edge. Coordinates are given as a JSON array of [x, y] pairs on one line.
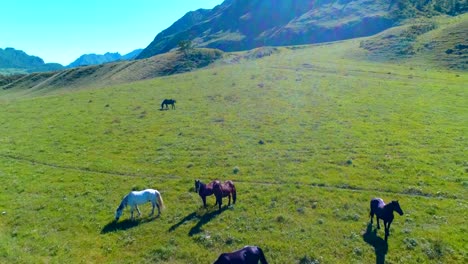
[[241, 25], [111, 73], [93, 59], [17, 61], [440, 41]]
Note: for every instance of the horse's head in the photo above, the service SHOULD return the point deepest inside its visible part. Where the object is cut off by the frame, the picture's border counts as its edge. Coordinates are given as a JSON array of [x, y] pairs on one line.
[[397, 208], [197, 186], [118, 213]]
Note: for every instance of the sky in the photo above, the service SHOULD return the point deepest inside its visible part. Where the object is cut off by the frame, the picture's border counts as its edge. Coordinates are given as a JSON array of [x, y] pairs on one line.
[[62, 30]]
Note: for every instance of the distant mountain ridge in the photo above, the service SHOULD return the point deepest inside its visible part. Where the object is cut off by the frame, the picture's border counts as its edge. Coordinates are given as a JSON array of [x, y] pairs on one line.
[[11, 58], [18, 61], [93, 59], [245, 24]]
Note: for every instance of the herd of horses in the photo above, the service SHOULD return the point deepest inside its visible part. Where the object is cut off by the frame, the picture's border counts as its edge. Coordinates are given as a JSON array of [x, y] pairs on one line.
[[248, 254]]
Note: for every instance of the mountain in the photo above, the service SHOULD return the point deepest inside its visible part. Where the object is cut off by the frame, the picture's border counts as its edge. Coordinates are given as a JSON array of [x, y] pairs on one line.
[[245, 24], [132, 55], [18, 61], [93, 59]]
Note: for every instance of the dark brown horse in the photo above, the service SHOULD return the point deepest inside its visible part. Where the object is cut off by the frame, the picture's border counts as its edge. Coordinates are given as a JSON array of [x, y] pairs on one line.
[[221, 190], [385, 212], [204, 190], [167, 102], [247, 255]]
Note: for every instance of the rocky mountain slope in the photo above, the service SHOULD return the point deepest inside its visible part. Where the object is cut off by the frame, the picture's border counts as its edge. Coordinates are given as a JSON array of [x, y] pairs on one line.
[[245, 24]]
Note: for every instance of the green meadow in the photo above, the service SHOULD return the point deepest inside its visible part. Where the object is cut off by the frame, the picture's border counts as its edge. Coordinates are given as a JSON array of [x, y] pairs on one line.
[[309, 135]]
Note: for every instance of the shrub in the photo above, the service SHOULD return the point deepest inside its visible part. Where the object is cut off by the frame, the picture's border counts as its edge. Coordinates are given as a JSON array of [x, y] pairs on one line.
[[410, 243]]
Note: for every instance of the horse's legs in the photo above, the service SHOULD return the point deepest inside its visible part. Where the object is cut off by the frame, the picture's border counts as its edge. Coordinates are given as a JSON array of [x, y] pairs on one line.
[[138, 210], [229, 202], [371, 217], [131, 212], [387, 228], [152, 211], [204, 201], [378, 222], [219, 201]]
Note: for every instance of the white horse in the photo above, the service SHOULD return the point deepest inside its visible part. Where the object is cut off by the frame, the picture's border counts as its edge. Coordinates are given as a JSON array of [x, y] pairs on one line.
[[133, 199]]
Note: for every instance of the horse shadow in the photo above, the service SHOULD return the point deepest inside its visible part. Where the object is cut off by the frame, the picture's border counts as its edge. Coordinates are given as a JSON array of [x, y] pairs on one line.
[[125, 224], [205, 218], [379, 244]]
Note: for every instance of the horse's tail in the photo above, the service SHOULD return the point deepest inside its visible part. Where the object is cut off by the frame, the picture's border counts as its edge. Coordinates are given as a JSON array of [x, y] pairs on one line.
[[262, 256], [160, 201], [234, 193]]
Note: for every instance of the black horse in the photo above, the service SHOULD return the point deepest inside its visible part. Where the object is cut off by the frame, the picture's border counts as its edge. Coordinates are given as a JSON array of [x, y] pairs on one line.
[[385, 212], [247, 255], [204, 190], [167, 102]]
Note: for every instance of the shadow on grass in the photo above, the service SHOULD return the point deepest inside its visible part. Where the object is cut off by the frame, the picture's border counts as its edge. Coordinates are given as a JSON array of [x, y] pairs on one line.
[[379, 244], [125, 224], [207, 217]]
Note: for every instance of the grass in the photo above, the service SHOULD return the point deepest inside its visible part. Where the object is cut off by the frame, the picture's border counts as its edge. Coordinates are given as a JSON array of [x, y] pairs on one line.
[[433, 42], [309, 135]]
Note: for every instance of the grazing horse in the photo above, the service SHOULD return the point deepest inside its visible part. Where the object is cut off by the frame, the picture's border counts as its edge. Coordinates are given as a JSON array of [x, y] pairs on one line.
[[204, 190], [167, 102], [221, 190], [385, 212], [133, 199], [247, 255]]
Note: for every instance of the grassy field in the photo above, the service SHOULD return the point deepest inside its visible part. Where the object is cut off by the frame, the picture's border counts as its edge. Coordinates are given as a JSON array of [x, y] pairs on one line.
[[309, 135]]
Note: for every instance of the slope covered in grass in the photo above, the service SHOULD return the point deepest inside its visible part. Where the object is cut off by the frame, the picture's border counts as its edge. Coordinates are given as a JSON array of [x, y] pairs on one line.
[[111, 73], [437, 42], [309, 134]]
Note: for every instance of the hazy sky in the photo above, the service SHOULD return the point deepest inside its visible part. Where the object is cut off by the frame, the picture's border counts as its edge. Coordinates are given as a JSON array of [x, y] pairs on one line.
[[62, 30]]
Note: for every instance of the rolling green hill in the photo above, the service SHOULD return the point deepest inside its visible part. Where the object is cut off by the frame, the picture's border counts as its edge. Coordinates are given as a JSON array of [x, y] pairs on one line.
[[309, 134], [440, 41], [108, 74]]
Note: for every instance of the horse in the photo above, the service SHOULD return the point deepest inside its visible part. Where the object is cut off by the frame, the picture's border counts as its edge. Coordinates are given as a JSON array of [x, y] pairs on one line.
[[204, 190], [221, 190], [134, 198], [385, 212], [167, 102], [247, 255]]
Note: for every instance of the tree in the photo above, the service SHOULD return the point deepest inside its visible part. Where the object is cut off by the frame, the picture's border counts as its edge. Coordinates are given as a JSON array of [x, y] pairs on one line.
[[185, 46]]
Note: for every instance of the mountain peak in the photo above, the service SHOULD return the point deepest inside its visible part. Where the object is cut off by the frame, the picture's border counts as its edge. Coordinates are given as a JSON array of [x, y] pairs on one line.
[[93, 59], [11, 58]]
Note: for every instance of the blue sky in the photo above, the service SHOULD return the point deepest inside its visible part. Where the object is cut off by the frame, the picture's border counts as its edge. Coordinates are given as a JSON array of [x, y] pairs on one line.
[[62, 30]]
